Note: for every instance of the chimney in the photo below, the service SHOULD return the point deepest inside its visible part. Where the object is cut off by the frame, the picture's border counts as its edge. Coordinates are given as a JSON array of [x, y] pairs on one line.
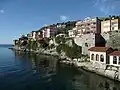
[[98, 25], [110, 22]]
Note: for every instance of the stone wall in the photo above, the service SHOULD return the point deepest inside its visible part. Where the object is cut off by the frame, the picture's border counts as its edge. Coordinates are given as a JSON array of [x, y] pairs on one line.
[[112, 39], [85, 41]]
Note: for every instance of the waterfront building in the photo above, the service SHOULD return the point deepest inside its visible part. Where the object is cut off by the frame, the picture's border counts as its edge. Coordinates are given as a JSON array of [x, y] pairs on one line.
[[115, 58], [100, 55], [111, 24]]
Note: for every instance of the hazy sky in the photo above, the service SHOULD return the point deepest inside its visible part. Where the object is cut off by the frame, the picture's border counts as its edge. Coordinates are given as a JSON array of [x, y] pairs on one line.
[[22, 16]]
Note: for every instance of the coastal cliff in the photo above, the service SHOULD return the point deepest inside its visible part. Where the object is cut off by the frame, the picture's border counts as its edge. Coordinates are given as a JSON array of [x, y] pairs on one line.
[[61, 46], [55, 40]]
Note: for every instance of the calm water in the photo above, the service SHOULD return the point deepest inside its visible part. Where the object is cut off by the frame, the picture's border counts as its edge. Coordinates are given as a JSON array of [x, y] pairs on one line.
[[20, 71]]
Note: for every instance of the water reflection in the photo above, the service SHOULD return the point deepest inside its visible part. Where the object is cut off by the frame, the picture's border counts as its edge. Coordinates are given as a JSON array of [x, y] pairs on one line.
[[41, 72], [51, 74], [90, 81], [39, 63]]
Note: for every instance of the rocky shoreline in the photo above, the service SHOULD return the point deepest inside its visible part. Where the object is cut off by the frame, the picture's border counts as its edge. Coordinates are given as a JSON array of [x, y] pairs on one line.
[[87, 66], [40, 52]]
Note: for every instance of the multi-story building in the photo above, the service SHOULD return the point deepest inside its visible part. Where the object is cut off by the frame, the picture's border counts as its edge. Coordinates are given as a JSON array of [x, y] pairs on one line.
[[32, 35], [48, 32], [88, 25], [111, 24], [53, 31], [39, 35]]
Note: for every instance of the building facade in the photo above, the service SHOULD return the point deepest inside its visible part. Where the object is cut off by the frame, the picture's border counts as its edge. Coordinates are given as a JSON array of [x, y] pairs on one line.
[[34, 33], [111, 24], [99, 55], [48, 32], [115, 58], [85, 41], [88, 25]]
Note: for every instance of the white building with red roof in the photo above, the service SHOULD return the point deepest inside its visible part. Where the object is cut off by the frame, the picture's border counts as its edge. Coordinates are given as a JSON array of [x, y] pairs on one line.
[[100, 55], [104, 56], [115, 58]]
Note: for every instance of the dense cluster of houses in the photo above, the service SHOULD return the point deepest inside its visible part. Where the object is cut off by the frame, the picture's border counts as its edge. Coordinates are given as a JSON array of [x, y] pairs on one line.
[[99, 53], [46, 32], [89, 30], [88, 34], [95, 25]]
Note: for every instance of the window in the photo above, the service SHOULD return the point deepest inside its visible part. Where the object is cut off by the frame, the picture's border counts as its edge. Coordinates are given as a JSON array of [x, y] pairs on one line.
[[101, 58], [119, 60], [97, 57], [114, 60], [92, 57], [88, 24], [86, 44], [114, 23], [112, 28]]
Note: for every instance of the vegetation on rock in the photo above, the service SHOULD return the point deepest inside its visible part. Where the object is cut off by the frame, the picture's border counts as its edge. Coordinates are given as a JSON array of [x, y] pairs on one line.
[[73, 51], [114, 40]]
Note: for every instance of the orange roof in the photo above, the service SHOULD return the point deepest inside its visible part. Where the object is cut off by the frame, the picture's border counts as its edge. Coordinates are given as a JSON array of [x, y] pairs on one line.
[[115, 53], [99, 49]]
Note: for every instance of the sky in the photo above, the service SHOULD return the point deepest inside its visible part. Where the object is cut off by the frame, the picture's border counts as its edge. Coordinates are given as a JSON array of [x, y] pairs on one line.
[[19, 17]]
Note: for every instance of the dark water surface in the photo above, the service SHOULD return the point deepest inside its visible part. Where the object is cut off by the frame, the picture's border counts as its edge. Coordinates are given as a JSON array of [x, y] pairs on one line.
[[20, 71]]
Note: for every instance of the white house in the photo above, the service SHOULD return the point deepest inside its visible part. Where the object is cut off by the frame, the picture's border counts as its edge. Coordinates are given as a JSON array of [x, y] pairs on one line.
[[34, 34], [115, 58], [43, 33], [47, 32], [72, 32], [99, 55]]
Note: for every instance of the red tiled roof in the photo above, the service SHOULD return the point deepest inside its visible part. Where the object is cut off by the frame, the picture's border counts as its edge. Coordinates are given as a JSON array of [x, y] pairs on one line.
[[115, 53], [99, 49]]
